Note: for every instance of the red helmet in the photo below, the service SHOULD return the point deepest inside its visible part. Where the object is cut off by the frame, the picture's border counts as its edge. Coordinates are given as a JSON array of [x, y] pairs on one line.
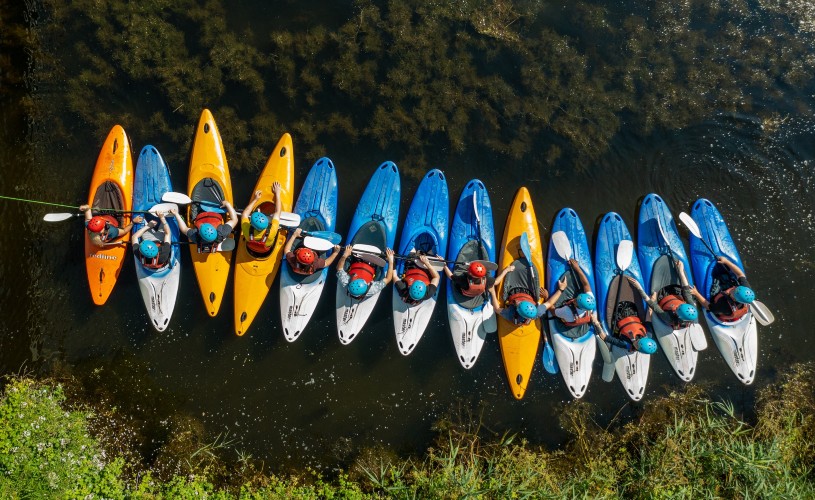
[[96, 224], [477, 270], [305, 256]]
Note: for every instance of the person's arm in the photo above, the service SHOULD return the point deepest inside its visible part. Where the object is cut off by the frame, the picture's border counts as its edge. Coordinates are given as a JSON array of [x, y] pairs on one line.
[[345, 254], [123, 231], [278, 205], [435, 279], [680, 270], [87, 210], [182, 225], [138, 234], [733, 268], [331, 258], [503, 273], [562, 283], [290, 243], [448, 272], [584, 282], [247, 213], [233, 216], [494, 301], [389, 276], [600, 331], [165, 226], [698, 296]]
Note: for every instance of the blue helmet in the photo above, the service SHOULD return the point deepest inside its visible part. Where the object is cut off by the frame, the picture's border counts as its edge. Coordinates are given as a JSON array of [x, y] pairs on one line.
[[586, 301], [417, 290], [527, 310], [259, 221], [744, 295], [647, 346], [208, 232], [358, 287], [148, 249], [687, 312]]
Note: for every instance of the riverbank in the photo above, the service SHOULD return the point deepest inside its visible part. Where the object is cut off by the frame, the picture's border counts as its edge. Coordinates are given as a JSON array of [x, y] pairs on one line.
[[54, 444]]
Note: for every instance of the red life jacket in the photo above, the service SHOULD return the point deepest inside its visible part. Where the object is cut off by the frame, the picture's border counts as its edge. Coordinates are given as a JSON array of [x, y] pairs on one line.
[[582, 320], [416, 273], [669, 304], [216, 220], [737, 310], [361, 270], [477, 287], [259, 245], [515, 299], [631, 328]]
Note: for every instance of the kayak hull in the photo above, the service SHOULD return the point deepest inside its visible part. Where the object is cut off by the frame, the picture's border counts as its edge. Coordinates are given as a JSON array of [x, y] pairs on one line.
[[469, 325], [737, 340], [114, 172], [254, 273], [299, 296], [159, 287], [425, 230], [519, 343]]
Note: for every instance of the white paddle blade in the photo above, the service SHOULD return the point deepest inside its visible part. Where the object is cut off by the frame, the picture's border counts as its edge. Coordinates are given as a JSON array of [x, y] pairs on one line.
[[289, 219], [179, 198], [624, 254], [697, 338], [318, 244], [608, 372], [163, 208], [58, 217], [562, 245], [762, 313], [359, 247], [488, 265], [372, 259], [690, 224]]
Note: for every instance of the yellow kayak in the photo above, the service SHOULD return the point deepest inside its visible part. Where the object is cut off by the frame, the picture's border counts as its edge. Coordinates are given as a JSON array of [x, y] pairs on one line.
[[255, 272], [209, 181], [519, 344]]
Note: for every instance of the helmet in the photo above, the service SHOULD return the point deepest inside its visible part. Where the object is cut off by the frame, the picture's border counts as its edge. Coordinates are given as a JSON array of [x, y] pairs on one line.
[[208, 232], [96, 224], [358, 287], [477, 270], [687, 312], [148, 249], [647, 346], [259, 221], [527, 310], [586, 301], [744, 295], [305, 256], [417, 290]]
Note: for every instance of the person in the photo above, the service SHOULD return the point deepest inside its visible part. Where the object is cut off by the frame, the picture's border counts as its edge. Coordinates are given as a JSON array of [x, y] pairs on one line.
[[155, 250], [104, 229], [673, 304], [419, 283], [260, 232], [577, 310], [629, 332], [731, 292], [475, 281], [359, 279], [304, 260], [520, 306], [209, 228]]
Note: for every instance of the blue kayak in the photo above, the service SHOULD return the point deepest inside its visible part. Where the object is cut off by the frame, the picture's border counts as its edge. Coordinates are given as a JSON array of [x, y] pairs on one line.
[[159, 287], [736, 340], [658, 245], [471, 318], [425, 230], [574, 347], [374, 224], [317, 207], [615, 291]]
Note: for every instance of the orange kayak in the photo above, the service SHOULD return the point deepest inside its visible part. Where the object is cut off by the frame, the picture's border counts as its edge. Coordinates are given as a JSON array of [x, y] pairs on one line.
[[519, 343], [111, 188], [209, 181], [254, 273]]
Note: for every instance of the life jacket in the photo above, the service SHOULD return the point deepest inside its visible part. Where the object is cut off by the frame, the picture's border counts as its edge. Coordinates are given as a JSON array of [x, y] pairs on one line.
[[258, 245], [476, 287], [516, 298], [631, 328], [582, 320], [109, 221], [412, 275], [670, 303], [737, 310], [361, 270], [216, 220]]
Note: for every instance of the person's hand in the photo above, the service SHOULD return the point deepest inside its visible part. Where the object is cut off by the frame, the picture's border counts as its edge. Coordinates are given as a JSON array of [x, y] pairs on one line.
[[172, 212], [423, 259], [152, 223], [226, 204], [679, 264], [511, 268], [337, 248], [138, 219], [389, 254], [721, 259], [654, 296], [276, 187], [258, 194], [562, 283], [634, 282], [348, 250], [84, 208], [574, 263], [161, 216], [298, 232]]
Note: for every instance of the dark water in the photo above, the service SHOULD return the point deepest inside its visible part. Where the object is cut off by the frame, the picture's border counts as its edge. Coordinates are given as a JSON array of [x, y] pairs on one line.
[[315, 401]]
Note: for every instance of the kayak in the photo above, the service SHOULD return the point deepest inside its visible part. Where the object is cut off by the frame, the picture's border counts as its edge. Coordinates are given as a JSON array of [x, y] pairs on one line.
[[111, 188], [736, 340], [519, 343], [255, 272], [655, 256], [209, 181], [317, 208], [574, 347], [471, 318], [374, 223], [159, 287], [425, 230], [613, 289]]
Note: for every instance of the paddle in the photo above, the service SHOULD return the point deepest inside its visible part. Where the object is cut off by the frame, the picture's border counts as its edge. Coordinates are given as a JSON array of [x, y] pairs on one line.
[[161, 207], [319, 244], [436, 262], [370, 254], [173, 197], [37, 201], [488, 318], [331, 236], [759, 310], [549, 360]]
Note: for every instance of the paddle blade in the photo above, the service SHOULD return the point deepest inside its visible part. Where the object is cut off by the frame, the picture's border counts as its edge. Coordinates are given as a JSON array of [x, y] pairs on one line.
[[524, 245], [624, 254], [289, 219], [690, 224], [608, 372], [227, 245], [372, 259], [697, 338], [58, 217], [318, 244], [435, 263], [179, 198], [762, 313], [549, 360], [211, 206], [488, 318], [331, 236], [562, 245], [163, 208], [359, 247], [489, 266]]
